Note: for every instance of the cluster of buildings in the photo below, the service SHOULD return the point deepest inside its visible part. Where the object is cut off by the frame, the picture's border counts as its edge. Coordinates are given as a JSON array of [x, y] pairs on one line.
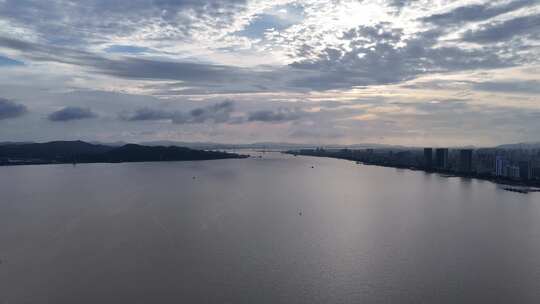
[[439, 159], [488, 163], [523, 170], [510, 164]]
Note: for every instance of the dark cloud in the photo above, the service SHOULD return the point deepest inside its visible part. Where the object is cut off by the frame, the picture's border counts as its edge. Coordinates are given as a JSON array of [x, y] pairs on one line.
[[80, 22], [71, 113], [147, 114], [201, 78], [476, 12], [506, 30], [380, 55], [217, 113], [137, 68], [280, 115], [10, 109]]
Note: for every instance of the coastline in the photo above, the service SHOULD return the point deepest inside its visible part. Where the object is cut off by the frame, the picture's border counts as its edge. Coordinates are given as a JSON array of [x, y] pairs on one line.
[[79, 152], [45, 162], [520, 186]]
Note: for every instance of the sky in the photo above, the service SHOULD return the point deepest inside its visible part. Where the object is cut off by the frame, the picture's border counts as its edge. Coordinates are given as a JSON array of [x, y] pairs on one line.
[[406, 72]]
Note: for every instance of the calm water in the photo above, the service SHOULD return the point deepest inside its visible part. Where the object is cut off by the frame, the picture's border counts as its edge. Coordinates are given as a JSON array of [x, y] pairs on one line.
[[151, 233]]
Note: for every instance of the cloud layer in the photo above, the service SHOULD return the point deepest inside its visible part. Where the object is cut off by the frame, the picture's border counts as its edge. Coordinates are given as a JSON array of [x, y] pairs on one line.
[[298, 70], [218, 113]]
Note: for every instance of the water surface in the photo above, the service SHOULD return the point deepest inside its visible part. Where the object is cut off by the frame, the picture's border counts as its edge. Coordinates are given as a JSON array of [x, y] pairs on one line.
[[230, 231]]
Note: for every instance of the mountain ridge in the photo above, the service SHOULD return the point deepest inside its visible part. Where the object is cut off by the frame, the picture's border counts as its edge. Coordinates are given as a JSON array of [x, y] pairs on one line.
[[84, 152]]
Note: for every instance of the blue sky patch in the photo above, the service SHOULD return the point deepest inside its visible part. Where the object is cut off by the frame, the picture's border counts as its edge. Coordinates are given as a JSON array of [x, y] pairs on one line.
[[129, 49], [263, 23], [279, 18], [5, 61]]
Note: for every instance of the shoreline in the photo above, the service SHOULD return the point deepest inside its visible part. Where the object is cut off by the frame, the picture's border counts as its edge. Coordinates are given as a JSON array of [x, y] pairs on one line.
[[524, 186], [44, 163]]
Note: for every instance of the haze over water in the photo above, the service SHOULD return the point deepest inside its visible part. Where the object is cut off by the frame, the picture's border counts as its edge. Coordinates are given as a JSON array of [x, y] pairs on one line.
[[270, 230]]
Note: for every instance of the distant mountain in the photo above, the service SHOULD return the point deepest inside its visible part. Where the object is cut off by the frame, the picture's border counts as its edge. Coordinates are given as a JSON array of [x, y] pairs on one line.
[[5, 143], [83, 152], [261, 145], [111, 144], [192, 145], [524, 146], [55, 150], [138, 153]]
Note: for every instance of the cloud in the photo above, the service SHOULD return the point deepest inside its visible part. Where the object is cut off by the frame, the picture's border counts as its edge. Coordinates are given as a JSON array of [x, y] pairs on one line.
[[10, 109], [81, 22], [129, 49], [476, 12], [505, 30], [399, 4], [198, 77], [374, 55], [147, 114], [382, 54], [71, 113], [333, 60], [217, 113], [278, 116], [510, 86]]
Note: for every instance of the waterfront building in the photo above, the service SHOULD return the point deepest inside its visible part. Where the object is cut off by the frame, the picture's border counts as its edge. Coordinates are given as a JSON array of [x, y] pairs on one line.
[[535, 172], [513, 172], [441, 158], [501, 166], [428, 158], [465, 160], [525, 170]]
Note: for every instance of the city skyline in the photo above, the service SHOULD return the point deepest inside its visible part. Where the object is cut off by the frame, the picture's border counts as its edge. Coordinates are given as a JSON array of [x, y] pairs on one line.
[[411, 73], [500, 165]]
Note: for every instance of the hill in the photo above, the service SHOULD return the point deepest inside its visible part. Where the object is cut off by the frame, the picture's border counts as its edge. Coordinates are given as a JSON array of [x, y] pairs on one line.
[[523, 146], [83, 152]]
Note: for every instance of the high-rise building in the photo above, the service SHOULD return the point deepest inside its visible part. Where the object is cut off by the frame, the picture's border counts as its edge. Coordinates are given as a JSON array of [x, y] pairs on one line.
[[465, 160], [441, 158], [428, 158], [525, 170], [501, 165], [513, 172], [535, 172]]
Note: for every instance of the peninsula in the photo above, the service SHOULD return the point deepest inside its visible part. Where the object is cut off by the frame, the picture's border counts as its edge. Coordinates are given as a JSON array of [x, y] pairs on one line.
[[61, 152]]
